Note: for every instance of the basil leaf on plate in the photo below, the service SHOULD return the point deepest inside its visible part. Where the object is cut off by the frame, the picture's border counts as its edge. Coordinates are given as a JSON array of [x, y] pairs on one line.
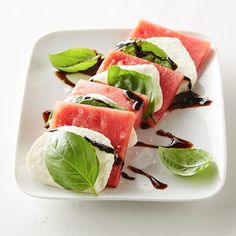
[[95, 100], [71, 161], [184, 161], [74, 59], [148, 51], [135, 82]]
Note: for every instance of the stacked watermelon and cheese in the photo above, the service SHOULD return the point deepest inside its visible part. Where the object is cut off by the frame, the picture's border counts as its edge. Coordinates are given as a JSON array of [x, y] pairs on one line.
[[135, 85]]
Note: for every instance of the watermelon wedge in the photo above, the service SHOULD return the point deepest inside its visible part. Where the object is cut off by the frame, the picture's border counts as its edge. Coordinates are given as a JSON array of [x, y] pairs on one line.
[[198, 49], [114, 124], [170, 80], [117, 95]]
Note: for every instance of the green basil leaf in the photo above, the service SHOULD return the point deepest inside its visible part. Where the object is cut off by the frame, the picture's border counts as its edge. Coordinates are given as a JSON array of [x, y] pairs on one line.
[[71, 161], [95, 100], [184, 161], [135, 82], [150, 47], [148, 51], [74, 60]]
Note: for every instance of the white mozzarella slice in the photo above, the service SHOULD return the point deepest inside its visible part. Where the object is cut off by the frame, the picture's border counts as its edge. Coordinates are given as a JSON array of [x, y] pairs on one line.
[[133, 138], [179, 54], [36, 164]]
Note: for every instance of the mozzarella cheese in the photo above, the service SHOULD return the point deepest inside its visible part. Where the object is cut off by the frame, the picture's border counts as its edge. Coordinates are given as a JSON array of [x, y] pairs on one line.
[[150, 70], [36, 164], [179, 54]]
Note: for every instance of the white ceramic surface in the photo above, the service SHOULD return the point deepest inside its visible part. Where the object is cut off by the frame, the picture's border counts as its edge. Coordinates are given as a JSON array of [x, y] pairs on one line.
[[200, 125]]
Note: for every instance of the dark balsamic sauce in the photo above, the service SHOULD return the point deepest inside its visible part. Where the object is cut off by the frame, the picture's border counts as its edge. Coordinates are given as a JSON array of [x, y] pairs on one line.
[[62, 76], [188, 99], [101, 147], [52, 130], [176, 142], [46, 115], [144, 125], [118, 161], [126, 176], [189, 82], [174, 66], [155, 182], [141, 144], [138, 101]]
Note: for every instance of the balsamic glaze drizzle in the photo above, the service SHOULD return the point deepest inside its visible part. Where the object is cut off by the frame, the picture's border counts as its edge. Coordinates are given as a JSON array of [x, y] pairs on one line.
[[155, 182], [101, 147], [126, 176], [62, 76], [189, 82], [144, 125], [118, 161], [176, 142], [46, 115], [188, 99], [138, 101]]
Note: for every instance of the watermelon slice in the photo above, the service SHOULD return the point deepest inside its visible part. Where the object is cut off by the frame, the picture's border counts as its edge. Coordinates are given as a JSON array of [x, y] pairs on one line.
[[114, 124], [170, 80], [198, 49], [117, 95]]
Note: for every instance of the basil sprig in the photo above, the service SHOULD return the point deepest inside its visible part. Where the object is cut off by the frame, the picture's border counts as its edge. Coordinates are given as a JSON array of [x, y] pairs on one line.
[[184, 161], [74, 59], [71, 161], [146, 50], [135, 82]]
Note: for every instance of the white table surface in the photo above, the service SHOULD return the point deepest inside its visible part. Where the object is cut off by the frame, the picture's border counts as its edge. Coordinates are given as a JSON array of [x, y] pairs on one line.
[[22, 23]]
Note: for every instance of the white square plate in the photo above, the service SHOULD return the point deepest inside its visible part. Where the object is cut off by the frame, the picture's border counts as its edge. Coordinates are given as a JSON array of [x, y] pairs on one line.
[[205, 127]]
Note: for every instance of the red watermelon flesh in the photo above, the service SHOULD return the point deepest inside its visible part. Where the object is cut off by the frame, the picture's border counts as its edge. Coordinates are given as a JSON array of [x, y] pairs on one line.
[[198, 49], [114, 124], [117, 95], [170, 80]]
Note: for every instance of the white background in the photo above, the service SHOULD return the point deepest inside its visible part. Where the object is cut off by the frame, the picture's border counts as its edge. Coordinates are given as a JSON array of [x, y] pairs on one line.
[[21, 24]]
